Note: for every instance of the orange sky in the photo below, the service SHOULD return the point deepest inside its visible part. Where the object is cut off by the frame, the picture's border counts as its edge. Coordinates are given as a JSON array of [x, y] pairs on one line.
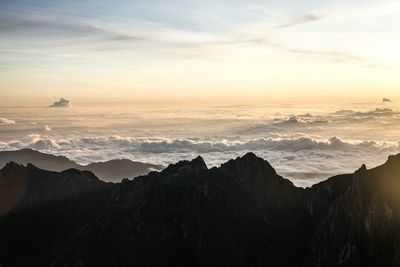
[[254, 52]]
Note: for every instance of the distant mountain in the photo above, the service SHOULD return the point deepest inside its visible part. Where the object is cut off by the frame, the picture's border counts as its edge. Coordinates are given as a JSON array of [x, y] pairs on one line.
[[110, 171], [240, 214]]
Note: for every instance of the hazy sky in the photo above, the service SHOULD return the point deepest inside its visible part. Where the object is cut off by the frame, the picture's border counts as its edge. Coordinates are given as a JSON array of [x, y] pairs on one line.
[[206, 51]]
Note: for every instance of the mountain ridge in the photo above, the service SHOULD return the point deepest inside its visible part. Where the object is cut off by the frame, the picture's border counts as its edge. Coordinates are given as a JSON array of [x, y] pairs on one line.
[[110, 171], [240, 214]]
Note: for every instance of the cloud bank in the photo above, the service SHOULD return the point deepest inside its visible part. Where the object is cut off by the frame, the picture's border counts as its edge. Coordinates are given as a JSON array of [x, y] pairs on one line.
[[325, 122], [302, 159], [303, 144]]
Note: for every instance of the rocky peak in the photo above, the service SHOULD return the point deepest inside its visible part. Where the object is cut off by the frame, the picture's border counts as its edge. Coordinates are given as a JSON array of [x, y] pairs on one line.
[[194, 167], [394, 159], [240, 214], [11, 170], [12, 165], [253, 161], [251, 168], [31, 166], [362, 170], [13, 186], [85, 175]]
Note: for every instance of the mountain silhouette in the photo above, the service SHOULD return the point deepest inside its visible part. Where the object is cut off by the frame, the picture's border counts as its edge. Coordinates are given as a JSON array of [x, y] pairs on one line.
[[110, 171], [239, 214]]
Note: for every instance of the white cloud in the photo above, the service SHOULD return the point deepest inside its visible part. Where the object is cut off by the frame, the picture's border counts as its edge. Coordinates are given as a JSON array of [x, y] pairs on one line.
[[61, 103], [302, 159], [309, 122], [6, 121], [302, 146]]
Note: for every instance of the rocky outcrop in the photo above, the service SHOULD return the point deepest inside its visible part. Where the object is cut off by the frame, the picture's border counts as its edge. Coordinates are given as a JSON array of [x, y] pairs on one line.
[[240, 214], [362, 226]]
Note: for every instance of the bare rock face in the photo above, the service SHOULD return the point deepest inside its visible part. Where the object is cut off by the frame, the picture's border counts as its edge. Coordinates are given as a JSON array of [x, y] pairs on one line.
[[13, 186], [240, 214], [362, 227]]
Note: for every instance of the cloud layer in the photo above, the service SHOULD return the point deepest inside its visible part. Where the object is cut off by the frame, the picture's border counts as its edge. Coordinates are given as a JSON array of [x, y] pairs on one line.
[[303, 144], [303, 159]]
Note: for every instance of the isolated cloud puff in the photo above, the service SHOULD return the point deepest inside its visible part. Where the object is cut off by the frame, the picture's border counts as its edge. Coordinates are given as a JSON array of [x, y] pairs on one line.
[[6, 121], [62, 103], [386, 100]]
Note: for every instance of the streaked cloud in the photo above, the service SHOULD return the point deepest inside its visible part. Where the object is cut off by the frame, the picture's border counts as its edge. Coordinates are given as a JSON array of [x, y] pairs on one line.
[[64, 30], [197, 45], [334, 55], [306, 18]]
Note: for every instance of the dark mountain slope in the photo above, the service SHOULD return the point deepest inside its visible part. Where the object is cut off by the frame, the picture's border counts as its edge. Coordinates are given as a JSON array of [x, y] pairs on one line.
[[109, 171], [39, 159], [240, 214], [362, 227], [49, 207]]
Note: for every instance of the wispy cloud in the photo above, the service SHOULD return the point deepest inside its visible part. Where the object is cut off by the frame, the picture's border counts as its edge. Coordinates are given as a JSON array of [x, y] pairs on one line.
[[61, 29], [137, 41], [97, 35], [94, 35], [306, 18], [334, 55], [380, 66]]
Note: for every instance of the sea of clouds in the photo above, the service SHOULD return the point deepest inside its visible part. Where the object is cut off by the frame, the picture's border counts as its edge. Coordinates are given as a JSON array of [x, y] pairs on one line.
[[303, 158], [305, 147]]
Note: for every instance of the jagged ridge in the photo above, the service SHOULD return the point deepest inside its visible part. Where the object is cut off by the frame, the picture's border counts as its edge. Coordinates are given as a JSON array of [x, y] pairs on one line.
[[240, 214], [109, 171]]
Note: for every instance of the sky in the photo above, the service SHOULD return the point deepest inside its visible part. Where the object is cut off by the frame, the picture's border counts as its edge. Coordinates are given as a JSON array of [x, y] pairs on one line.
[[254, 51]]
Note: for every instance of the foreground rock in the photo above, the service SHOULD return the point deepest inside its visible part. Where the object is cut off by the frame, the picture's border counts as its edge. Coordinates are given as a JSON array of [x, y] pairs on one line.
[[240, 214]]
